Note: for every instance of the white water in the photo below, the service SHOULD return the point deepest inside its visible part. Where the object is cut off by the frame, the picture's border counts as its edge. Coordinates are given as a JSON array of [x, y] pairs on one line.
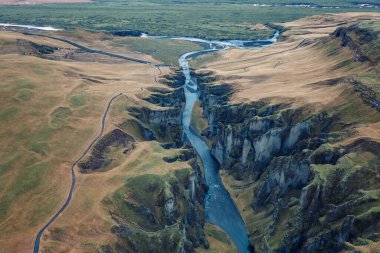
[[43, 28], [213, 43]]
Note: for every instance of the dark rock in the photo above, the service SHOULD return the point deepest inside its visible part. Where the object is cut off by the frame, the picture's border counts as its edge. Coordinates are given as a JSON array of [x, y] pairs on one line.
[[98, 158], [131, 33], [346, 228]]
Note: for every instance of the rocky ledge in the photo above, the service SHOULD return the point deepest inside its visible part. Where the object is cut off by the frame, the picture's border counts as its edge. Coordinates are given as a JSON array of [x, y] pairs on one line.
[[154, 212], [309, 195]]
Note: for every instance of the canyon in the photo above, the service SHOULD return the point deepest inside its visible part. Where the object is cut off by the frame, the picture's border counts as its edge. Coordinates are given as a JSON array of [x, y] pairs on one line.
[[290, 132], [286, 124]]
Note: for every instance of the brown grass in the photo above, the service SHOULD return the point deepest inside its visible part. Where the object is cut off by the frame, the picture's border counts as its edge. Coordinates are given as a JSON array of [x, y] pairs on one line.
[[218, 240], [43, 130], [286, 72], [295, 71]]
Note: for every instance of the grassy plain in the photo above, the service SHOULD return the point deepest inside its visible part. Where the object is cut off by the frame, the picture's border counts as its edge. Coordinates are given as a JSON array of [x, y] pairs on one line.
[[165, 50], [204, 19]]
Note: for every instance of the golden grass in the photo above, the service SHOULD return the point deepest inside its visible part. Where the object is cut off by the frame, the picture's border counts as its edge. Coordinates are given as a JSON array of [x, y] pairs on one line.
[[50, 111], [295, 71], [280, 75], [373, 247], [240, 191], [85, 224], [198, 123], [218, 240]]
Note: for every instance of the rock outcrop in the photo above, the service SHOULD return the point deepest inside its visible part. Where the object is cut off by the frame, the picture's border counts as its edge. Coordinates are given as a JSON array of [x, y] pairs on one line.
[[98, 158], [170, 213], [160, 213], [358, 39], [311, 193]]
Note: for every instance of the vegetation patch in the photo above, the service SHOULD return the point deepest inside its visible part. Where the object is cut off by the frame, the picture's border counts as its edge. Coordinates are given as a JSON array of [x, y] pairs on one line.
[[59, 116], [23, 95], [77, 101], [28, 179], [8, 113], [40, 148], [198, 122], [109, 150], [199, 61], [205, 19], [24, 83], [165, 50]]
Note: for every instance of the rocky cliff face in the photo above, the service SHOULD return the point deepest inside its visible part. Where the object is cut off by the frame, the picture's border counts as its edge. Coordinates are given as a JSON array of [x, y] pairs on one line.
[[308, 195], [159, 213], [168, 211], [361, 40]]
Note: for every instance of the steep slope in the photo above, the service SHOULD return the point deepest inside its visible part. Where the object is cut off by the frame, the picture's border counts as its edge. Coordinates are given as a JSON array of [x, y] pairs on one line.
[[297, 136], [53, 100], [51, 108]]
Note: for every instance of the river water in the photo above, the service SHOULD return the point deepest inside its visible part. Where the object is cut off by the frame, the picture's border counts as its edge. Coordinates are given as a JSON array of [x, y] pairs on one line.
[[219, 206]]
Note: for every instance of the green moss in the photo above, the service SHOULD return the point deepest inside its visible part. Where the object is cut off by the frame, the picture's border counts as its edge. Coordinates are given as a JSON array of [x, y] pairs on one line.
[[166, 240], [369, 212], [146, 187], [138, 191], [371, 194], [350, 163]]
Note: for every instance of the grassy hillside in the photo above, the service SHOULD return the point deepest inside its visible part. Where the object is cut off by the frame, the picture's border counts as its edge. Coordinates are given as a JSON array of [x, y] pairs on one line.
[[50, 110]]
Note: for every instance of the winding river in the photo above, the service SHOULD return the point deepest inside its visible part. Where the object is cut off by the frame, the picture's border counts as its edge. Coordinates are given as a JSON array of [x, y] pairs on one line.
[[219, 206]]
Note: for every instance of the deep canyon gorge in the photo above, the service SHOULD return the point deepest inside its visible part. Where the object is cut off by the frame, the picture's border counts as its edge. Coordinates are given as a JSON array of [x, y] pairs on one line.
[[256, 147]]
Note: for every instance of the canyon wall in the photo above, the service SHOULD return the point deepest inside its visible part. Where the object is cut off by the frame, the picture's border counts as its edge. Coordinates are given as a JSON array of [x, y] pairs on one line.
[[302, 182]]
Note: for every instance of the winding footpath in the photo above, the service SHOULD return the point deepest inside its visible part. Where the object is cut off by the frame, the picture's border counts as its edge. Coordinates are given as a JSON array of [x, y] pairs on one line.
[[73, 176]]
